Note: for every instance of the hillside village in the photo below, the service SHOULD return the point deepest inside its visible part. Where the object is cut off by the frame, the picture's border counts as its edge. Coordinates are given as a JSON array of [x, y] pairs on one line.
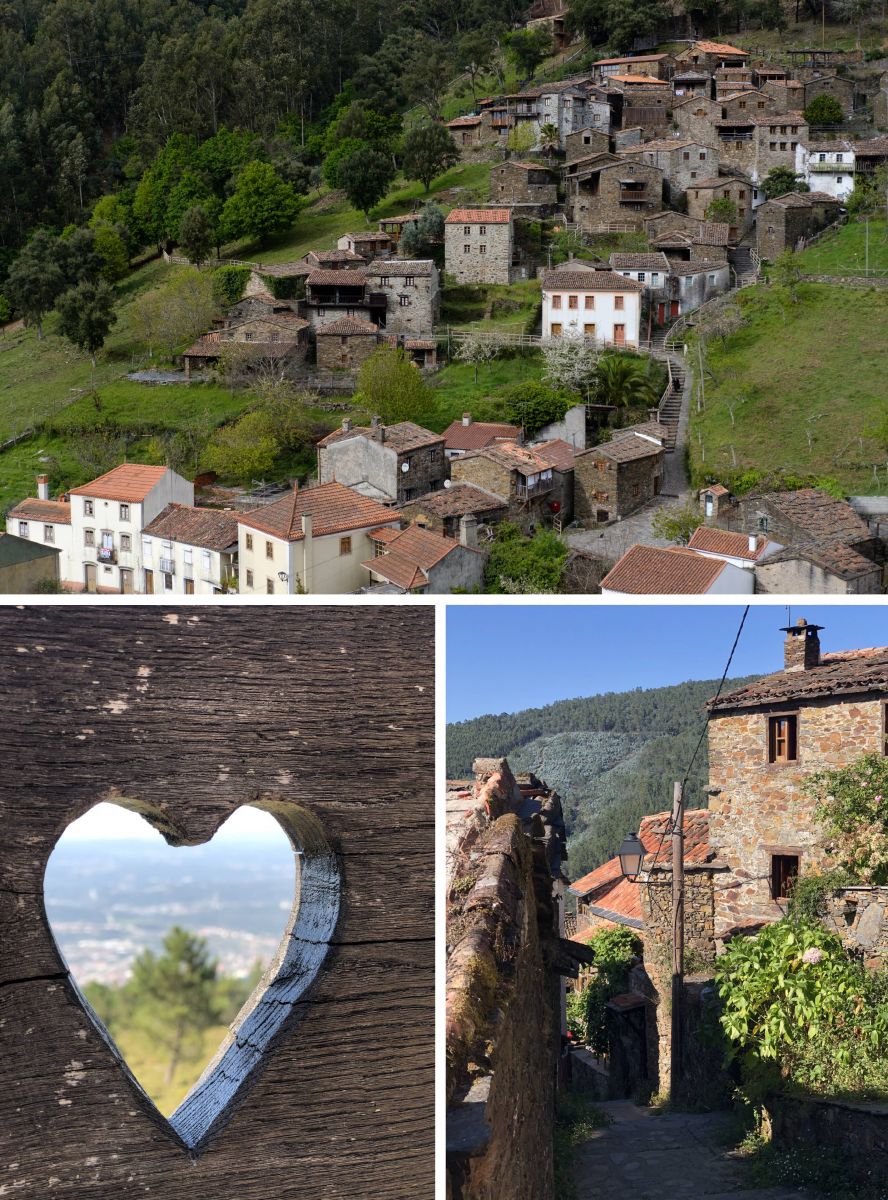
[[569, 980], [640, 213]]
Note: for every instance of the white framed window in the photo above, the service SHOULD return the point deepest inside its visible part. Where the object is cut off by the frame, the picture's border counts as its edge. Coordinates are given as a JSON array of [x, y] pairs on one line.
[[126, 542], [188, 555], [206, 560], [23, 529], [147, 549], [124, 512], [89, 537], [49, 534], [403, 301], [88, 508]]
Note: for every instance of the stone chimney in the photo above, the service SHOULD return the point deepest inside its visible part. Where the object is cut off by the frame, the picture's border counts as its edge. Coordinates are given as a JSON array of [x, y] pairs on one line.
[[801, 650], [467, 419], [468, 530], [346, 424], [42, 487]]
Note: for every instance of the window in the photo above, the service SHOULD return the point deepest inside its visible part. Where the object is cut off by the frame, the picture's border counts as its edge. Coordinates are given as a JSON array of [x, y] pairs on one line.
[[839, 179], [269, 549], [556, 330], [269, 587], [23, 529], [655, 277], [188, 556], [88, 508], [712, 279], [482, 230], [467, 229], [384, 281], [702, 156], [641, 276], [124, 512], [573, 301], [343, 341], [693, 174], [249, 541], [89, 537], [146, 549], [126, 542], [167, 582], [249, 579], [618, 301], [403, 301], [49, 533], [482, 249], [556, 301], [433, 454], [635, 489], [686, 157], [588, 302], [345, 546], [467, 249], [409, 281], [784, 872], [589, 330], [783, 738], [772, 146]]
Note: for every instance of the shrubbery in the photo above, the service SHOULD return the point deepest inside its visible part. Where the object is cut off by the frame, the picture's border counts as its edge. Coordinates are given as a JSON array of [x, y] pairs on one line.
[[615, 949]]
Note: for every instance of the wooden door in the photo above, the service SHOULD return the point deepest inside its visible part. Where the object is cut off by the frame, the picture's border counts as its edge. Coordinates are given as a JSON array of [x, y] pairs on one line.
[[673, 309], [556, 330], [620, 335], [189, 587], [126, 581], [89, 576], [149, 582], [661, 312]]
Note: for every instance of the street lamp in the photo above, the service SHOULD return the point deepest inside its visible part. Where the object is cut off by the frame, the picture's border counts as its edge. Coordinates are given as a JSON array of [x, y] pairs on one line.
[[631, 854], [283, 576]]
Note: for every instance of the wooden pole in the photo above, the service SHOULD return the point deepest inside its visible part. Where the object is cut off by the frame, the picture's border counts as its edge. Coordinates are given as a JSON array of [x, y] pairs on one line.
[[677, 934]]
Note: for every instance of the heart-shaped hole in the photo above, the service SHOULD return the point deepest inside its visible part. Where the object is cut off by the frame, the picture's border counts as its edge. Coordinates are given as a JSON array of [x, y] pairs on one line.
[[294, 964]]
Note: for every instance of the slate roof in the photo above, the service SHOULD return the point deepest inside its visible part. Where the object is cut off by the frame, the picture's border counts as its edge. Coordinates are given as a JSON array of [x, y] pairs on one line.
[[723, 541], [718, 181], [58, 512], [458, 122], [651, 429], [334, 508], [649, 570], [640, 262], [695, 267], [661, 144], [399, 267], [208, 345], [334, 256], [403, 436], [458, 500], [283, 270], [209, 528], [629, 58], [627, 448], [847, 672], [14, 550], [838, 558], [589, 281], [346, 278], [479, 216], [514, 458], [824, 518], [129, 482], [347, 327], [478, 434], [410, 555]]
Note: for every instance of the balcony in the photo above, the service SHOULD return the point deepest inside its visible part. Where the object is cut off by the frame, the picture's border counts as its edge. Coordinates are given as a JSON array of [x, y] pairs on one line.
[[335, 298], [633, 195], [106, 554], [529, 491], [168, 566], [830, 168], [377, 300]]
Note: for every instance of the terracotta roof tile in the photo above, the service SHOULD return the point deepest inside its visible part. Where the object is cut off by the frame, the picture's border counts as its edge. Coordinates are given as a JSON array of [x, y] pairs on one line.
[[557, 452], [347, 327], [654, 834], [649, 570], [647, 80], [513, 457], [847, 672], [58, 512], [479, 216], [410, 555], [459, 122], [402, 437], [333, 507], [209, 528], [346, 278], [722, 541], [718, 48], [129, 482], [589, 281], [478, 434]]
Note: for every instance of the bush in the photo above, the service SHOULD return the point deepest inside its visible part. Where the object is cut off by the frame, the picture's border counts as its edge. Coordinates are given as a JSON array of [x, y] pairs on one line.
[[533, 405], [852, 806], [614, 950], [520, 564], [229, 283]]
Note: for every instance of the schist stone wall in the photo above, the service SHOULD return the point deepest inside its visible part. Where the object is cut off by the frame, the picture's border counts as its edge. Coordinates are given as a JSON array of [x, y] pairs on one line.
[[605, 490], [859, 915], [764, 808]]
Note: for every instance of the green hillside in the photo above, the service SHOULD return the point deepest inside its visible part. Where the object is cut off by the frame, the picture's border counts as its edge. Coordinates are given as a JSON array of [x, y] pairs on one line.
[[613, 758]]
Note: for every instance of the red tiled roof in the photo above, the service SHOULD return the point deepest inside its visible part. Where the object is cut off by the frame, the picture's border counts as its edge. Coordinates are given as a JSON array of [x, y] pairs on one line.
[[718, 48], [557, 453], [347, 327], [208, 345], [846, 672], [650, 570], [647, 80], [209, 528], [716, 489], [478, 434], [722, 541], [410, 556], [589, 281], [459, 121], [346, 278], [129, 482], [479, 216], [58, 512], [334, 508]]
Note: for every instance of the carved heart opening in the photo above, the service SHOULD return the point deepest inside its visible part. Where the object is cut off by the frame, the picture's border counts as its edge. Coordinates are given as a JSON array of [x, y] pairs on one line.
[[272, 1009]]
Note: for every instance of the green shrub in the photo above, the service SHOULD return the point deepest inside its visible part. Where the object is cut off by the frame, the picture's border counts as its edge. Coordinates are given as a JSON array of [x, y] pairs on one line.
[[852, 806], [229, 283], [806, 899], [614, 951]]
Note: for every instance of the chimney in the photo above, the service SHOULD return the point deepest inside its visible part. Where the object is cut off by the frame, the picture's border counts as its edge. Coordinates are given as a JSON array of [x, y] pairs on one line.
[[467, 418], [346, 424], [801, 650], [374, 422], [468, 530], [307, 552], [753, 543], [42, 487]]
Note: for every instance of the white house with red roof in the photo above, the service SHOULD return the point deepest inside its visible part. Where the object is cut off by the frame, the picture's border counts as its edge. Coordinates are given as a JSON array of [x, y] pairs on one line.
[[44, 521], [739, 549], [311, 540], [597, 306], [478, 245], [192, 550], [674, 570], [424, 562]]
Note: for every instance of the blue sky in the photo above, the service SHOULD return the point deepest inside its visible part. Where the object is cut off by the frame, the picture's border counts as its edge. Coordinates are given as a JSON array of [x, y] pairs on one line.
[[503, 658]]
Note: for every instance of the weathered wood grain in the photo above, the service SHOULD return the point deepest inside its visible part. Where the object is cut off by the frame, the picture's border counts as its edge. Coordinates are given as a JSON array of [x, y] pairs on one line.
[[185, 715]]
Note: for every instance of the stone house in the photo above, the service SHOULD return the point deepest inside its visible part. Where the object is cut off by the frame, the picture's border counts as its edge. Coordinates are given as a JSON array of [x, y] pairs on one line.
[[758, 145], [827, 166], [723, 187], [388, 463], [284, 281], [618, 477], [412, 293], [528, 480], [523, 183], [688, 238], [420, 561], [311, 540], [368, 244], [742, 104], [193, 550], [682, 161], [711, 56], [785, 222], [609, 189], [585, 143], [798, 93], [638, 101], [656, 66], [689, 81], [821, 712], [478, 245], [330, 295], [340, 259], [443, 510], [466, 434], [394, 227], [730, 80], [262, 334], [344, 344], [26, 565], [597, 305], [563, 105], [691, 284], [468, 134]]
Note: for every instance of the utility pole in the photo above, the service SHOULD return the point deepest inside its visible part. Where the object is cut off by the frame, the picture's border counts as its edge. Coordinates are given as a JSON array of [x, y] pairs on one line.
[[677, 936]]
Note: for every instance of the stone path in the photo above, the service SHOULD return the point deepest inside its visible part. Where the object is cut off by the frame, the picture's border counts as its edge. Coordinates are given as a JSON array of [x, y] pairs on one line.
[[675, 1156]]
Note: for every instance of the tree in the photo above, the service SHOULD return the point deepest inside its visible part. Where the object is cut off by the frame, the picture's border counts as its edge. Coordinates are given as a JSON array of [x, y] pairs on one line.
[[86, 314], [781, 180], [476, 50], [390, 387], [722, 210], [521, 139], [176, 996], [520, 564], [428, 151], [365, 177], [721, 320], [528, 47], [196, 236], [550, 138], [111, 249], [78, 256], [855, 12], [625, 382], [261, 204], [478, 350], [35, 279], [570, 364], [824, 109], [172, 316], [615, 23], [243, 451], [787, 274], [533, 404], [420, 237], [677, 524]]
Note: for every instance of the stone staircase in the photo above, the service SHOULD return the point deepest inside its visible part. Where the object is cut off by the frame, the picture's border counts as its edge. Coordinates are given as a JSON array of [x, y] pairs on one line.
[[671, 404], [745, 266]]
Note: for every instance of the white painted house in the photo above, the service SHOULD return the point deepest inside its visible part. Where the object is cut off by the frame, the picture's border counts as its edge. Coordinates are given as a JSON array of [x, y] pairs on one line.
[[739, 549], [675, 570], [45, 521], [827, 167], [192, 551], [312, 540], [650, 269], [598, 306]]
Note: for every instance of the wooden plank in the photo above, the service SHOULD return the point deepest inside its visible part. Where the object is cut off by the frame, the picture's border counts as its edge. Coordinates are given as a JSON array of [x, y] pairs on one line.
[[185, 715]]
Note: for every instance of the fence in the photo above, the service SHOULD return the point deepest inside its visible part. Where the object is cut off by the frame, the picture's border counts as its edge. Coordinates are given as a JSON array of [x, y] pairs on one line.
[[531, 340]]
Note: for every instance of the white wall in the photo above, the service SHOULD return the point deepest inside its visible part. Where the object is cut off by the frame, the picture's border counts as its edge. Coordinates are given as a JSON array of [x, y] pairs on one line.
[[62, 538], [315, 563], [205, 568], [838, 183], [604, 315]]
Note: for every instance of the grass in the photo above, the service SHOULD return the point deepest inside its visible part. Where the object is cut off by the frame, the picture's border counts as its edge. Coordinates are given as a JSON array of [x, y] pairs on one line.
[[510, 308], [141, 1058], [455, 390], [844, 252], [575, 1122], [816, 365]]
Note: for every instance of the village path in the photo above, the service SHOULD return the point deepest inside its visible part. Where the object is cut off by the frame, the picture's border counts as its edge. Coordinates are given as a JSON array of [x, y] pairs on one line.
[[672, 1156]]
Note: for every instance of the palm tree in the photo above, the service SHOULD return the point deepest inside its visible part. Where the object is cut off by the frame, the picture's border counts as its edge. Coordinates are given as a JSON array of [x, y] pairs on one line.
[[625, 383], [550, 139]]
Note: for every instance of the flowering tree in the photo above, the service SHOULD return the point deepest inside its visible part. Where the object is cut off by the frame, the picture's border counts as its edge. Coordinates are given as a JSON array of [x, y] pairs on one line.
[[852, 807], [570, 363]]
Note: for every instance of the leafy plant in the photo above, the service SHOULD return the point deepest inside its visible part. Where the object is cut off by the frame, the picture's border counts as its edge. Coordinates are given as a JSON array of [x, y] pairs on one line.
[[852, 805], [229, 283], [615, 949]]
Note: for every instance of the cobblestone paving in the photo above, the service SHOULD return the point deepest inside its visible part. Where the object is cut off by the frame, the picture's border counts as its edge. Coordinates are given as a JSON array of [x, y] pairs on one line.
[[676, 1156]]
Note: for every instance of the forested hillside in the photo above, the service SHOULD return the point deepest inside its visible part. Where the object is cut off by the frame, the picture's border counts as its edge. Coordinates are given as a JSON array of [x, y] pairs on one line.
[[613, 757]]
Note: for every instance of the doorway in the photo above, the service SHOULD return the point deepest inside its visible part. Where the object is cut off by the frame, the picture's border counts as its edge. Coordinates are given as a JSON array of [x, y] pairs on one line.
[[89, 576]]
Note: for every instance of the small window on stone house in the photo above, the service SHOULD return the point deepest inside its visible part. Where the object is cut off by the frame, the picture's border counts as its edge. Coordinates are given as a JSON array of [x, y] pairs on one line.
[[467, 249], [686, 156], [482, 249], [783, 738], [482, 230], [409, 281], [467, 229], [784, 873]]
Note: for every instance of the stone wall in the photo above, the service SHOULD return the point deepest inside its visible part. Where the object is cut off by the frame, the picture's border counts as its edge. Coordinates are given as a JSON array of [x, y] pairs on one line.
[[344, 353], [481, 255], [859, 915], [856, 1131], [602, 198], [779, 228], [513, 183], [586, 142], [618, 489], [800, 576], [413, 301], [763, 808]]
